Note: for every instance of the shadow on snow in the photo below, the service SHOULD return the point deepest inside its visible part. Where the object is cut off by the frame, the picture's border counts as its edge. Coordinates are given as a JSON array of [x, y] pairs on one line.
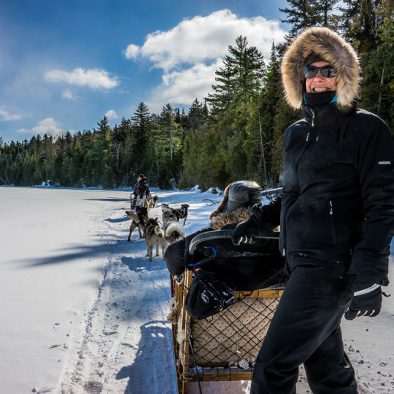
[[108, 199], [156, 338]]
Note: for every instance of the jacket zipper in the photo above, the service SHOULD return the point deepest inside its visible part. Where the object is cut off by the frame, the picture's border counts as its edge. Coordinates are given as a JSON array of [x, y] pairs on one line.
[[308, 142], [283, 230], [331, 221], [283, 234], [313, 117]]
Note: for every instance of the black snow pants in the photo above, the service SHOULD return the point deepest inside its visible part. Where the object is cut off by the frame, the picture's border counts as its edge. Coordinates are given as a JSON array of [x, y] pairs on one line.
[[306, 330]]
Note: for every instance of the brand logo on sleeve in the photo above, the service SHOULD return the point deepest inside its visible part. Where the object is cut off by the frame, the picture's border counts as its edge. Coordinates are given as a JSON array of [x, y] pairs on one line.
[[384, 162]]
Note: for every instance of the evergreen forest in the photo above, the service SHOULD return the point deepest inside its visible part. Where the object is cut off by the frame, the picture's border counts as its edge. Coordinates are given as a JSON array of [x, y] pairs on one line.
[[235, 133]]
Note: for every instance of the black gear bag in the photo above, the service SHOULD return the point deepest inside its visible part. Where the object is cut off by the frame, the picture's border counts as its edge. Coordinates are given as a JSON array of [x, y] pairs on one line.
[[207, 295]]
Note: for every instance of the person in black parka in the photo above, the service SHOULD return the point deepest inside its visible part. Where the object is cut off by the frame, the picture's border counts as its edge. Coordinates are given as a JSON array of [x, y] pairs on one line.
[[244, 267], [141, 190], [336, 218], [139, 197]]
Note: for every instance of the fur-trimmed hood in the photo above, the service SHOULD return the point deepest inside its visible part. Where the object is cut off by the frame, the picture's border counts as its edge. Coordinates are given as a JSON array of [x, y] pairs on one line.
[[331, 47], [224, 219], [238, 194]]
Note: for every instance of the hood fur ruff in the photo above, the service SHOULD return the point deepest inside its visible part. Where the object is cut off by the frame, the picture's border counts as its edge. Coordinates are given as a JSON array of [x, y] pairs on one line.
[[331, 47], [224, 219]]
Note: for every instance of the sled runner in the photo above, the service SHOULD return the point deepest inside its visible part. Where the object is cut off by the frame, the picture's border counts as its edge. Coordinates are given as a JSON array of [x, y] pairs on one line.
[[224, 345]]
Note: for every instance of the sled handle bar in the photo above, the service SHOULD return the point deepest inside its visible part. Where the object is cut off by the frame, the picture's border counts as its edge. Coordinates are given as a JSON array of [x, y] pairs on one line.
[[218, 234], [271, 192]]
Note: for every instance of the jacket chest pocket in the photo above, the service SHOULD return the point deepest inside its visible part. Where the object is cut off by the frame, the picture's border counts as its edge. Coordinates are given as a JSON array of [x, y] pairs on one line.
[[327, 155], [343, 220]]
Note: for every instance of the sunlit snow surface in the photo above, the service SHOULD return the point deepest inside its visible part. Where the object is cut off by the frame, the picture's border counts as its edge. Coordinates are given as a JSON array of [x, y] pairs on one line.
[[83, 311]]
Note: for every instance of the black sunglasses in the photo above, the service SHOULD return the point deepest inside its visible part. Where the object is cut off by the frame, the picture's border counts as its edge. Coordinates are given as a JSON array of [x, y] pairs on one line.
[[325, 71]]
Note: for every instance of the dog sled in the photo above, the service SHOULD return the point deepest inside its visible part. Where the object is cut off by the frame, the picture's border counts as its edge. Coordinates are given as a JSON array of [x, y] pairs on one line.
[[224, 346], [147, 202]]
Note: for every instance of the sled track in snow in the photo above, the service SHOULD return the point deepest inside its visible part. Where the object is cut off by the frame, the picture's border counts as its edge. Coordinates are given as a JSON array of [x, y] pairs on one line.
[[125, 328]]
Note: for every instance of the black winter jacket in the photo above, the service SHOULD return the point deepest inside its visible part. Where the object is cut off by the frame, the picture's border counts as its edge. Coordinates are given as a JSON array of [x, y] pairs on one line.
[[338, 195], [140, 188]]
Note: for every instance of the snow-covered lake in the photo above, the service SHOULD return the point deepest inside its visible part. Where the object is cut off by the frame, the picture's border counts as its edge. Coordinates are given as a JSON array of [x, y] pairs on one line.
[[83, 311]]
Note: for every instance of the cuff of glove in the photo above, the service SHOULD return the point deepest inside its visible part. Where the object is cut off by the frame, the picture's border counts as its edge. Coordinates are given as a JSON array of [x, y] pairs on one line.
[[366, 290]]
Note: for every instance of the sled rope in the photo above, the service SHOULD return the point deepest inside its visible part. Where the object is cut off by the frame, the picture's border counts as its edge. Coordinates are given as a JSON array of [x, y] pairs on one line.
[[194, 361]]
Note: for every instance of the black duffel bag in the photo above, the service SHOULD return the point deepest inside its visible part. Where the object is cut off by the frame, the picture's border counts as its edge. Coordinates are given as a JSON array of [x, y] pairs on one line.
[[208, 295]]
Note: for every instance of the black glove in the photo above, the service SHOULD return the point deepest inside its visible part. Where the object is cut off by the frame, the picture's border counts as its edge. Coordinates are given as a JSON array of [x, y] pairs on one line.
[[246, 231], [365, 298]]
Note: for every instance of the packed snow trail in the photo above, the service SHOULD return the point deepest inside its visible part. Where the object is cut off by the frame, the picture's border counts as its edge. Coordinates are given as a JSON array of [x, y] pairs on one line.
[[127, 340], [124, 344]]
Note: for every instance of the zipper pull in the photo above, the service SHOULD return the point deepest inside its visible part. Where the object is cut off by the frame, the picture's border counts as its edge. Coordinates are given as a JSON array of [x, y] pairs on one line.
[[331, 210], [307, 137], [283, 252], [313, 117]]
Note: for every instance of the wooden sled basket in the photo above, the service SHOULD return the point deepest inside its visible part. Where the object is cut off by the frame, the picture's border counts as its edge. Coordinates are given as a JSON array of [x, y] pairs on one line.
[[222, 347]]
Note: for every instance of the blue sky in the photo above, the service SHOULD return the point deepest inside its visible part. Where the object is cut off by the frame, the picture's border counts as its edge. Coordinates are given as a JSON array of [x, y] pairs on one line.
[[64, 64]]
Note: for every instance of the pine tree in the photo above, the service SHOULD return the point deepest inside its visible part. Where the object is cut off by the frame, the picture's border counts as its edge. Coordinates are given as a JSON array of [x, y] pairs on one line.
[[358, 23], [123, 146], [47, 157], [300, 15], [384, 62], [141, 126], [369, 26], [327, 16], [100, 156], [260, 139], [240, 77], [249, 65], [169, 141], [223, 90], [196, 116]]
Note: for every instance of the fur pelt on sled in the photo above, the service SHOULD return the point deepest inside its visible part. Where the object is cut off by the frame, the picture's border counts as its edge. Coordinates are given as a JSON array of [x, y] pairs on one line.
[[225, 219]]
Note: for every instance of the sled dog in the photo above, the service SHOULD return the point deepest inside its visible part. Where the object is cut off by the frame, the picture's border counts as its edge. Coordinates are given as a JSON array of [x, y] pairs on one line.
[[173, 230], [154, 236], [138, 220], [178, 213], [167, 214], [182, 212], [152, 201]]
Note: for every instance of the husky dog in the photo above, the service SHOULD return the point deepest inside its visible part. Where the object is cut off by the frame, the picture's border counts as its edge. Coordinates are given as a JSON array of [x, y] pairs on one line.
[[167, 214], [173, 230], [154, 236], [152, 201], [178, 213], [182, 212], [138, 221]]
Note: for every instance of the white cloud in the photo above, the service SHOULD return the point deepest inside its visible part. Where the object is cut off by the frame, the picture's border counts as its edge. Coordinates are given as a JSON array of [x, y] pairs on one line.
[[191, 52], [182, 87], [6, 116], [132, 51], [92, 78], [23, 130], [68, 94], [205, 38], [46, 126], [111, 114]]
